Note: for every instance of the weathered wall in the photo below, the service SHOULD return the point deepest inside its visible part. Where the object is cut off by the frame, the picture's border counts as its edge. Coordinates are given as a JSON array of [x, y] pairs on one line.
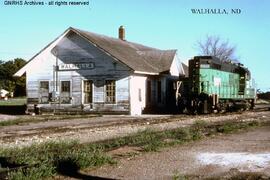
[[73, 49], [131, 89]]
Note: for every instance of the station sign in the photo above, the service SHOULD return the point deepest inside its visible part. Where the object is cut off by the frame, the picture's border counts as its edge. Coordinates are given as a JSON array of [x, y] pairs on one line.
[[76, 66]]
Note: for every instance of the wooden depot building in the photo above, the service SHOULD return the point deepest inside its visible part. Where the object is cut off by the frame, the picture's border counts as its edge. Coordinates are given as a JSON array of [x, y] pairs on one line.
[[85, 71]]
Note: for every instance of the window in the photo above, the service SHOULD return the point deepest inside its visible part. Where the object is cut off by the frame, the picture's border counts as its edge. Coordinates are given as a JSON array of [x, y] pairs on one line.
[[65, 86], [88, 90], [110, 91], [44, 92], [65, 92], [159, 92]]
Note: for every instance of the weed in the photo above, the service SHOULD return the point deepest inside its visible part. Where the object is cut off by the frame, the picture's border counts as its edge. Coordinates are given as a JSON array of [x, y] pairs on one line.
[[178, 176], [43, 118], [181, 134], [197, 129]]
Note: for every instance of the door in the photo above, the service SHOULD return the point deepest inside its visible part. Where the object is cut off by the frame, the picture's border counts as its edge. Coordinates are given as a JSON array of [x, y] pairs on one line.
[[88, 91]]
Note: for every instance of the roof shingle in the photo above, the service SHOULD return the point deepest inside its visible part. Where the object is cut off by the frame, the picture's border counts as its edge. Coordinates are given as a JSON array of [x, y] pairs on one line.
[[136, 56]]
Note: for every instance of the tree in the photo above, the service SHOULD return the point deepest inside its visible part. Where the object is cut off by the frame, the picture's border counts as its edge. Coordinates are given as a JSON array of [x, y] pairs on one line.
[[8, 81], [214, 46]]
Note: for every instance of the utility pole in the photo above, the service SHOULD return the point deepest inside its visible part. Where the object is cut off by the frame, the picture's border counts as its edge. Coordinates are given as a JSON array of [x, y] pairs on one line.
[[55, 81]]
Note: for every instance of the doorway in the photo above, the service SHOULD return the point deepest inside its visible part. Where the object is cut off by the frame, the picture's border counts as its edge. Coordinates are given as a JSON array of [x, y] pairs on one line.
[[88, 91]]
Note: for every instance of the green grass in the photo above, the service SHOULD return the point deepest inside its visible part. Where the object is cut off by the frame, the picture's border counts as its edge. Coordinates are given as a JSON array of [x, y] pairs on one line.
[[45, 160], [13, 102], [50, 159], [178, 176], [42, 118], [150, 140]]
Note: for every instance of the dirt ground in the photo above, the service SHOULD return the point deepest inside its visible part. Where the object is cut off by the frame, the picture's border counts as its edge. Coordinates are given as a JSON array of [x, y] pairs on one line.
[[4, 117], [212, 157]]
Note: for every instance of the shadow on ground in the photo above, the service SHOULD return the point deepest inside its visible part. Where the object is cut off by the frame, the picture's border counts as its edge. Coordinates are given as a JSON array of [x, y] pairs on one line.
[[13, 109], [7, 165], [71, 169]]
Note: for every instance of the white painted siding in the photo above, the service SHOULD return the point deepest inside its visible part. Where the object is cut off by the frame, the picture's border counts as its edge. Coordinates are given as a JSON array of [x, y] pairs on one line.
[[137, 104], [130, 88], [176, 67], [73, 49]]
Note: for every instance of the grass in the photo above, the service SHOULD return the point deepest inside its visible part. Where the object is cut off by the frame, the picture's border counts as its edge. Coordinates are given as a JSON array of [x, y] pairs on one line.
[[47, 159], [50, 159], [178, 176], [13, 102], [43, 118]]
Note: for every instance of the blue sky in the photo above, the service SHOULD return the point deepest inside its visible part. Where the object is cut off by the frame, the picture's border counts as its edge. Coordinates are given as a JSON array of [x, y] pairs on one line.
[[24, 30]]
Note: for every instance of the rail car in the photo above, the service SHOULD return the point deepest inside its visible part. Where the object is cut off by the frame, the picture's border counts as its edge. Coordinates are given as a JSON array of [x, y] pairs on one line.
[[213, 85]]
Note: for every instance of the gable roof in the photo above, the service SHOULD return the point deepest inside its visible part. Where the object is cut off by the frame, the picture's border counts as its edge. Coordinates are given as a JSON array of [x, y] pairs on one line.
[[185, 68], [140, 58]]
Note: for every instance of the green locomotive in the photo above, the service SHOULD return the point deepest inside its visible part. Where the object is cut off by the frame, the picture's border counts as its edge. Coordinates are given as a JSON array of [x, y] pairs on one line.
[[213, 85]]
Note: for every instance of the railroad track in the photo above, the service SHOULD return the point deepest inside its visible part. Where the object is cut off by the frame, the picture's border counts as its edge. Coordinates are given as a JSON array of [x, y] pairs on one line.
[[106, 123], [262, 107]]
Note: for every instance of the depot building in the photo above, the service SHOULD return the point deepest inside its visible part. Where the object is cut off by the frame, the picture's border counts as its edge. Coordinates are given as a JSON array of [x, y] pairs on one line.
[[85, 71]]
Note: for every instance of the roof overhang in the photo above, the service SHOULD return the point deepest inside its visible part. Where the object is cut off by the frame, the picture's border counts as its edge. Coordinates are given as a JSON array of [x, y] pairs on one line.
[[146, 73]]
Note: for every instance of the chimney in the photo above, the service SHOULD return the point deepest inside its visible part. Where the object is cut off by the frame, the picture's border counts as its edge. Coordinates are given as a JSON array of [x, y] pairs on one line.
[[121, 32]]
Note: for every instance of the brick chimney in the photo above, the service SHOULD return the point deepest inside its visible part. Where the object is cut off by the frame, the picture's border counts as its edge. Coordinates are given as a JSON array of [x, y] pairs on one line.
[[121, 33]]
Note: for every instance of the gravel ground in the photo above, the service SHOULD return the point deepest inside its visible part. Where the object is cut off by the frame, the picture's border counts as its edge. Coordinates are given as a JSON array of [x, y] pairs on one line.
[[4, 117], [243, 151], [101, 128]]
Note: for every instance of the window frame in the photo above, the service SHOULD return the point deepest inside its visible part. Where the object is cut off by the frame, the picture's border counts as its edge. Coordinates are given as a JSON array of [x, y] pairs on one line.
[[106, 91], [39, 91], [83, 91], [60, 90]]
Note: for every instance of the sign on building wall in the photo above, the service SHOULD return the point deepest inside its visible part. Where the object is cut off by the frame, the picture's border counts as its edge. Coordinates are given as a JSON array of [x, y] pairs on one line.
[[76, 66], [217, 81]]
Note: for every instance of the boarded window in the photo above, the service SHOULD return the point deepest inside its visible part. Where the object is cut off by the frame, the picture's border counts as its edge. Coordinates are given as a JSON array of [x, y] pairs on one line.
[[159, 91], [110, 91], [44, 92], [88, 90], [65, 92]]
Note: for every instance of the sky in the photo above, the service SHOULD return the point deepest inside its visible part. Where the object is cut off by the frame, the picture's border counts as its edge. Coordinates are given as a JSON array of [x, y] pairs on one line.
[[163, 24]]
